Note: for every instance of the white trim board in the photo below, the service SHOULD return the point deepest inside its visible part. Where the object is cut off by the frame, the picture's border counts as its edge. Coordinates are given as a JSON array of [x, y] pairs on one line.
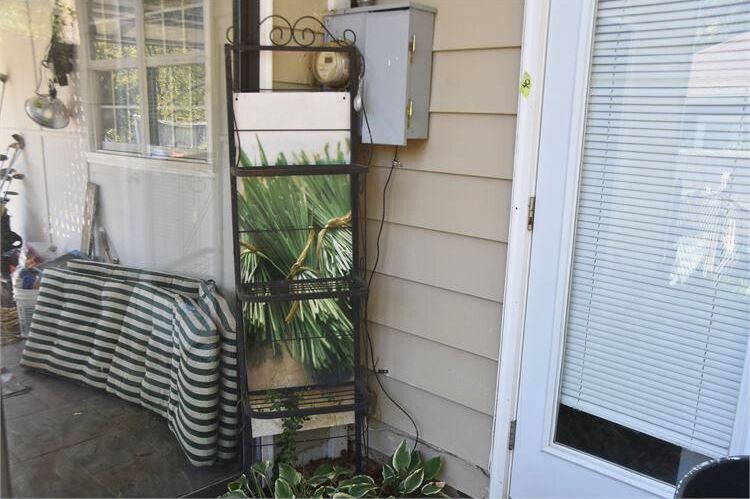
[[533, 59]]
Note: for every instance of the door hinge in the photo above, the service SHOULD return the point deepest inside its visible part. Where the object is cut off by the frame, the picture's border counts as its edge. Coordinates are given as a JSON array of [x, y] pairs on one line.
[[512, 435], [409, 112], [412, 47], [532, 213]]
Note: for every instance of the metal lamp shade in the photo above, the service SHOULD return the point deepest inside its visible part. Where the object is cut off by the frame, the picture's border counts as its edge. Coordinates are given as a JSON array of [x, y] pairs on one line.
[[48, 111]]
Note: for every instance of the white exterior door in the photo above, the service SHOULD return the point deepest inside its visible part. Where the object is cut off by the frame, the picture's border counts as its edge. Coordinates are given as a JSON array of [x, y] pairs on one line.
[[634, 363]]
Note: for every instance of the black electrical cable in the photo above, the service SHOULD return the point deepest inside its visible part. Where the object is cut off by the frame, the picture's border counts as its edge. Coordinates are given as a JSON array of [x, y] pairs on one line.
[[372, 275], [367, 360]]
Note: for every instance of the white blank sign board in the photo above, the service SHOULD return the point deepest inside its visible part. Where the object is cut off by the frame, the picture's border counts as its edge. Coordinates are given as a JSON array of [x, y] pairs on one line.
[[256, 111], [293, 127]]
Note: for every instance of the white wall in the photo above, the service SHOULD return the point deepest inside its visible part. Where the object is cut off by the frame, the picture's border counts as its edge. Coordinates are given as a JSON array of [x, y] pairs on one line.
[[160, 220], [49, 201]]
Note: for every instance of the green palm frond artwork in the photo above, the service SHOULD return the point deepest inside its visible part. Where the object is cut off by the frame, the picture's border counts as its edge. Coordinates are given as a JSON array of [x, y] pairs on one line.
[[292, 228], [298, 157]]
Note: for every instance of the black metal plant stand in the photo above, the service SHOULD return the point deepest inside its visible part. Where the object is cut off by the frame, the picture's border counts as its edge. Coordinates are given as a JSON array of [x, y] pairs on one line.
[[349, 395]]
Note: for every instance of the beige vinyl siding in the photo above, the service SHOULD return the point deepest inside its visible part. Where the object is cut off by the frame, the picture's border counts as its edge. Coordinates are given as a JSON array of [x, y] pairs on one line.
[[294, 9], [292, 69], [451, 427], [453, 370], [429, 200], [475, 24], [436, 301], [471, 81], [468, 265], [487, 134], [410, 306]]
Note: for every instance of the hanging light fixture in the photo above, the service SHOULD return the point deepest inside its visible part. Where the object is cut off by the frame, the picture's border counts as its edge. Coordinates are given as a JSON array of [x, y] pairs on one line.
[[47, 110]]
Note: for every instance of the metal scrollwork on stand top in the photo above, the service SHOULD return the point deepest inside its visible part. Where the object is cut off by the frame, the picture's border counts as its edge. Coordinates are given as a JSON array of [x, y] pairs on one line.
[[301, 33]]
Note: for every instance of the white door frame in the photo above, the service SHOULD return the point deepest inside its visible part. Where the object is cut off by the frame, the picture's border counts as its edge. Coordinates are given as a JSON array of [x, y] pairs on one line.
[[528, 128]]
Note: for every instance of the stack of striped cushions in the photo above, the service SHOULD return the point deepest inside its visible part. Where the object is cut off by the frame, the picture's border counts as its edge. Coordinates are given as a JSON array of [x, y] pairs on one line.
[[164, 342]]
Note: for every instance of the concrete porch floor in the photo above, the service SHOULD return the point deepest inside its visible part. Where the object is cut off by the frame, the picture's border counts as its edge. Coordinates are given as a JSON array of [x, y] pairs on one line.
[[70, 440]]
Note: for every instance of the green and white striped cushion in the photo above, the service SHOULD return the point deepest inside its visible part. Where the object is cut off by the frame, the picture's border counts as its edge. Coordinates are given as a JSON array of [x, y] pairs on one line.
[[165, 342]]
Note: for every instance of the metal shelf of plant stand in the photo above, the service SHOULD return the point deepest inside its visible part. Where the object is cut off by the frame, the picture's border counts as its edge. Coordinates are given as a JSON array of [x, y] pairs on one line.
[[302, 289], [308, 400], [287, 170]]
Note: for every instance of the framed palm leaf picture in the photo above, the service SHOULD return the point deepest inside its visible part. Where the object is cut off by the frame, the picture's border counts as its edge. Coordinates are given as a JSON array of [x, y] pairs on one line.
[[295, 228]]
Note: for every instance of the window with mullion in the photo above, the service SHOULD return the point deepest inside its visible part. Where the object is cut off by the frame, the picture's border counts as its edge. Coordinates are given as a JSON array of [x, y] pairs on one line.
[[172, 66], [119, 109], [177, 114]]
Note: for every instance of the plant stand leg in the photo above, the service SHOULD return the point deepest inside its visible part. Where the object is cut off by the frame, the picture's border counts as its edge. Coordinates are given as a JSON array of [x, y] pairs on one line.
[[248, 447], [358, 442]]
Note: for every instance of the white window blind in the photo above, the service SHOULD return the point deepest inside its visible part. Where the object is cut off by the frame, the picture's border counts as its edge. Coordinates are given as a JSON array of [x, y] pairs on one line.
[[659, 300]]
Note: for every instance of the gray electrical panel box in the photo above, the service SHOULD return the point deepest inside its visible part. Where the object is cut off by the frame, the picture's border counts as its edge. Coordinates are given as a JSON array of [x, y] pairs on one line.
[[396, 42]]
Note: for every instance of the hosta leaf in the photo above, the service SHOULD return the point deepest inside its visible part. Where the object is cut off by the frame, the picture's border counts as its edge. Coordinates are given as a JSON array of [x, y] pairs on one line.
[[389, 475], [362, 489], [412, 482], [262, 471], [432, 468], [289, 474], [416, 461], [324, 470], [340, 471], [342, 495], [357, 480], [233, 494], [239, 484], [401, 458], [432, 488], [319, 492], [317, 481], [261, 467], [282, 489], [323, 474]]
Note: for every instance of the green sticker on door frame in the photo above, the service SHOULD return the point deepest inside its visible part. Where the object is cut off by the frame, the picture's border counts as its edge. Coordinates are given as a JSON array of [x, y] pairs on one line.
[[525, 87]]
